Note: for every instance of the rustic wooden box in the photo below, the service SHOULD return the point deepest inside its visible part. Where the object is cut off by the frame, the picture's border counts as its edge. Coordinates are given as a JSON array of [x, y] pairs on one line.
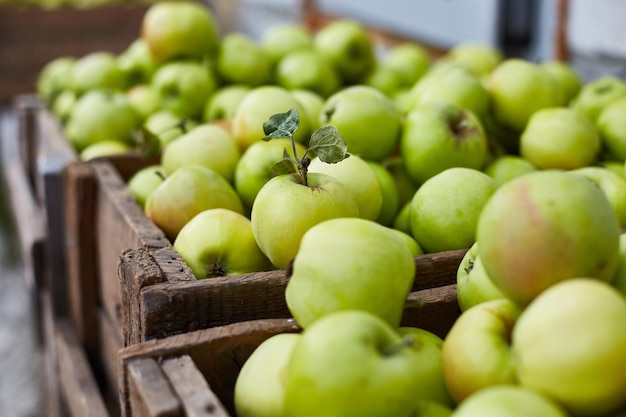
[[195, 373]]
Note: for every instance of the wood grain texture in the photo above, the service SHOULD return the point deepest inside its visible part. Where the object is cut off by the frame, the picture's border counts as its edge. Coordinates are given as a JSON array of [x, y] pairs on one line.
[[148, 392]]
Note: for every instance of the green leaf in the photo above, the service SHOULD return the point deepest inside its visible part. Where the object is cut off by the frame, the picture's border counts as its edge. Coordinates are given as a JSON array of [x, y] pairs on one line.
[[328, 144], [285, 166], [282, 125]]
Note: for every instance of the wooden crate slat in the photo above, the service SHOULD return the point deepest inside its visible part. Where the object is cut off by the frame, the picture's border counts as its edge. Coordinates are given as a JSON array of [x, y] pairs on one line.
[[149, 393], [107, 357]]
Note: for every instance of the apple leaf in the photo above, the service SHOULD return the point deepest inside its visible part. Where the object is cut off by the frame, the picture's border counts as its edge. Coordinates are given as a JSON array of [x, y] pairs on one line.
[[282, 125], [328, 145], [285, 166]]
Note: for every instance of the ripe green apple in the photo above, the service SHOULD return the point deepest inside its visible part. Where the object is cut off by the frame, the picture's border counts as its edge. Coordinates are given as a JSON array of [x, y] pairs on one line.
[[366, 118], [352, 363], [402, 222], [560, 138], [385, 80], [219, 242], [518, 88], [569, 345], [446, 208], [281, 39], [347, 45], [311, 103], [260, 386], [184, 87], [137, 63], [166, 126], [206, 145], [619, 277], [63, 104], [96, 70], [54, 78], [506, 167], [179, 30], [414, 247], [390, 195], [478, 58], [221, 105], [508, 400], [473, 285], [407, 59], [186, 192], [324, 278], [104, 148], [476, 352], [612, 128], [595, 95], [255, 166], [241, 60], [144, 99], [570, 82], [404, 183], [361, 180], [437, 137], [613, 185], [143, 182], [307, 69], [545, 227]]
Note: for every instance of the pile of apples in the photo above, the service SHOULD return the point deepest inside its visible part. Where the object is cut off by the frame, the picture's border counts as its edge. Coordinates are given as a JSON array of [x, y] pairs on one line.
[[323, 154]]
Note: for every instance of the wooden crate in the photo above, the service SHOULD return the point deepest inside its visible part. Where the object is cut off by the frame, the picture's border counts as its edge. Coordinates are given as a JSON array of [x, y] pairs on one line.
[[195, 373]]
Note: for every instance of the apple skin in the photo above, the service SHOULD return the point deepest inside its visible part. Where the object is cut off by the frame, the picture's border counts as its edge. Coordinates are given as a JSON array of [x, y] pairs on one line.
[[63, 104], [104, 148], [206, 145], [166, 126], [221, 105], [340, 367], [404, 183], [311, 103], [402, 222], [439, 137], [518, 88], [619, 277], [137, 63], [473, 285], [390, 195], [324, 279], [241, 60], [407, 59], [96, 70], [446, 208], [569, 344], [368, 121], [284, 209], [506, 167], [545, 227], [508, 400], [595, 95], [476, 353], [613, 185], [143, 182], [260, 386], [560, 138], [612, 128], [414, 247], [307, 69], [361, 180], [54, 78], [144, 99], [385, 80], [477, 58], [219, 242], [566, 76], [179, 30], [283, 38], [186, 192]]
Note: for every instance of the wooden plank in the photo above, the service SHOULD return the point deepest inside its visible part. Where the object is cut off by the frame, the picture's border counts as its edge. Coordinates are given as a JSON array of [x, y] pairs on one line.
[[26, 108], [53, 402], [107, 360], [148, 392]]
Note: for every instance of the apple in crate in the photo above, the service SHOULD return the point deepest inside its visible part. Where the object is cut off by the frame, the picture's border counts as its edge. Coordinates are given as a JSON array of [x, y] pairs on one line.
[[96, 70], [241, 60], [597, 94], [612, 128], [221, 105], [306, 69], [473, 285], [104, 148], [143, 182], [477, 58], [279, 40], [54, 78], [409, 60], [165, 126], [569, 81], [612, 184], [137, 63]]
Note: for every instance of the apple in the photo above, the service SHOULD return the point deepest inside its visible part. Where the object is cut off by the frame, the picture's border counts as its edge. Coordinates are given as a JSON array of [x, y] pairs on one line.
[[352, 363], [167, 126], [283, 38], [63, 104], [569, 345], [506, 167], [385, 80], [221, 105], [137, 63], [479, 59], [390, 195], [324, 278], [186, 192], [566, 76], [54, 78], [143, 182], [619, 277], [407, 59], [311, 104], [144, 99], [260, 386], [414, 247], [96, 70], [613, 185], [307, 69], [476, 353], [614, 166], [559, 138], [545, 227], [206, 145], [104, 148], [179, 30], [445, 209], [367, 119], [518, 88], [361, 179], [402, 221], [439, 137], [473, 285], [184, 87], [241, 60], [612, 129], [596, 94], [508, 400], [347, 45], [404, 183]]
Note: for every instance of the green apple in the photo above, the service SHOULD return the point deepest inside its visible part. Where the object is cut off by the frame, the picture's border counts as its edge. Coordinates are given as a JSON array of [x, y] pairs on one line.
[[311, 103], [54, 78], [360, 178], [446, 208], [414, 247], [390, 195], [143, 182], [324, 279], [473, 285], [614, 166], [347, 45], [439, 137], [137, 63], [518, 88], [570, 82], [613, 185], [619, 277], [307, 69], [402, 222], [595, 95], [407, 59], [545, 227], [179, 29], [221, 105], [385, 80], [241, 60], [352, 363], [184, 87], [506, 167], [144, 99], [479, 59], [96, 70], [569, 345], [476, 351], [219, 242], [367, 119], [167, 126], [63, 104], [404, 183], [260, 386], [559, 138], [104, 148], [508, 400], [186, 192], [612, 128], [283, 38], [207, 145]]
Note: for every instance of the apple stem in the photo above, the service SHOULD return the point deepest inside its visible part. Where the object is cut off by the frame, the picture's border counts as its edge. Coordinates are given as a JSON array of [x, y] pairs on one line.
[[406, 341]]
